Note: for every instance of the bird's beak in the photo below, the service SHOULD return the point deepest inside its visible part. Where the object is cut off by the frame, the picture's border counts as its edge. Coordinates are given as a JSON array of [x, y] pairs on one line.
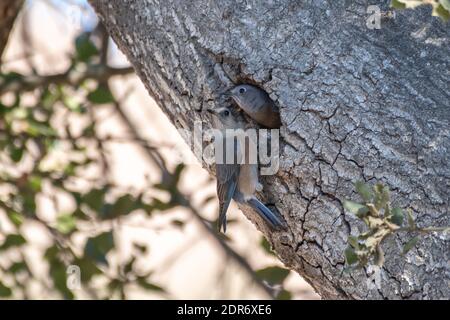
[[229, 94], [212, 111], [235, 97]]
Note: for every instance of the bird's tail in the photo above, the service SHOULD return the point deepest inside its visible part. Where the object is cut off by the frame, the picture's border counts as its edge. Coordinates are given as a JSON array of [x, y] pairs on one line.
[[274, 220], [223, 219]]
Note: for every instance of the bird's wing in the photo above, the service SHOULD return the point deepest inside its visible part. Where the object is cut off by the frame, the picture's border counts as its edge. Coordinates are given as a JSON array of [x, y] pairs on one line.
[[227, 180]]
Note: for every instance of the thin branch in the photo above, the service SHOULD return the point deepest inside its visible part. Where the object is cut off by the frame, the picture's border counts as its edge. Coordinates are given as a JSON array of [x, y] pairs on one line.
[[104, 46], [229, 251], [9, 9], [423, 230], [70, 77]]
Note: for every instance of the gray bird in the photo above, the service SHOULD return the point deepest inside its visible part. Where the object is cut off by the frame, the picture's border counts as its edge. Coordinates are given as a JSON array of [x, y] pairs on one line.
[[238, 180], [257, 104]]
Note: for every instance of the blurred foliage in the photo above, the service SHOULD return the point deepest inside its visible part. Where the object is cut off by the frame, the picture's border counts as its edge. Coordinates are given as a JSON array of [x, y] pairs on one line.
[[31, 137], [274, 277], [381, 221], [441, 8]]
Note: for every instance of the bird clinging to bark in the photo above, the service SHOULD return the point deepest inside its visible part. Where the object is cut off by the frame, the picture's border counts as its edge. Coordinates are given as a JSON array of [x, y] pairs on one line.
[[257, 104], [238, 179]]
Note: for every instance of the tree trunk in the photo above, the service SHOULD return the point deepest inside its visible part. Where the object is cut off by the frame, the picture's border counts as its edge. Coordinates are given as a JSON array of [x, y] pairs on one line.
[[356, 104], [9, 9]]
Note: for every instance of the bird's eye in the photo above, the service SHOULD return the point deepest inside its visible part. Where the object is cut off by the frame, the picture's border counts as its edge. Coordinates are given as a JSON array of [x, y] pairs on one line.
[[242, 90], [226, 113]]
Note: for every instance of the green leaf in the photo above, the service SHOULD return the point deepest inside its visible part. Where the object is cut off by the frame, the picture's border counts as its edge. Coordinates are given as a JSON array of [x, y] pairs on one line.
[[170, 181], [273, 275], [353, 241], [357, 209], [29, 204], [65, 223], [266, 246], [51, 253], [85, 48], [59, 276], [12, 240], [397, 4], [445, 4], [88, 268], [381, 196], [284, 295], [72, 104], [89, 131], [58, 272], [364, 191], [115, 285], [94, 199], [98, 247], [36, 129], [397, 216], [350, 256], [6, 78], [49, 98], [159, 205], [178, 170], [142, 282], [128, 268], [412, 3], [101, 95], [4, 291], [35, 183], [442, 12], [410, 244], [69, 170], [123, 206], [16, 218], [3, 109], [18, 266], [15, 153]]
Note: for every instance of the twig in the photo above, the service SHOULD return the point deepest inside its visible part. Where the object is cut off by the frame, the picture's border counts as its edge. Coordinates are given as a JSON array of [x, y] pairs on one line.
[[103, 157], [151, 152], [71, 77], [228, 250], [423, 230]]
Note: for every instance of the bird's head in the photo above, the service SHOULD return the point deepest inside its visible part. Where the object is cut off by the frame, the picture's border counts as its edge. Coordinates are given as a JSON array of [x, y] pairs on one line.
[[226, 118], [242, 94]]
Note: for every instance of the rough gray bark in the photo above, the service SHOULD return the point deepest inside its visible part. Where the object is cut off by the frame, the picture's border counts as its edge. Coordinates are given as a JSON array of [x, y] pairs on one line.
[[9, 9], [355, 104]]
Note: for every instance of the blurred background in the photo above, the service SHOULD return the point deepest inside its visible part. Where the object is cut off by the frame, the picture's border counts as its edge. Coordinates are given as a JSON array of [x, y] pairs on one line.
[[100, 198]]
